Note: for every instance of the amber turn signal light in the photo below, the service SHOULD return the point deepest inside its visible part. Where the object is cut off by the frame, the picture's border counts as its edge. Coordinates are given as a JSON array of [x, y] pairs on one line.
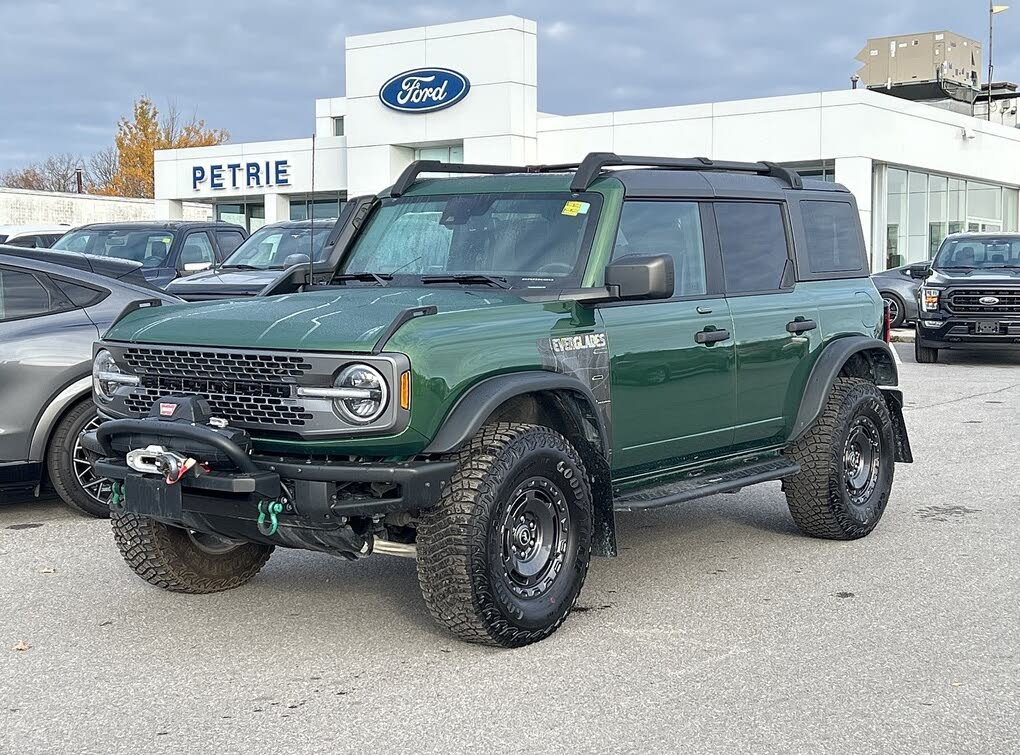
[[405, 390]]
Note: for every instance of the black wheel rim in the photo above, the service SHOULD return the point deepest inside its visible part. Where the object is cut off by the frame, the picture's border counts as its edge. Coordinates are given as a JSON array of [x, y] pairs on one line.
[[534, 534], [862, 460], [97, 488], [894, 309]]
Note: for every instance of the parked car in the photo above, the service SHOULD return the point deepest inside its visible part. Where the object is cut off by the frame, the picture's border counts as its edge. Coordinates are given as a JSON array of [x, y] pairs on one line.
[[32, 236], [969, 295], [481, 385], [166, 250], [899, 288], [53, 307], [260, 260]]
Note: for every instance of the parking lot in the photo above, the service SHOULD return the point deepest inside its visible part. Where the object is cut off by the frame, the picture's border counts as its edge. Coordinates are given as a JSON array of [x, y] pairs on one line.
[[719, 629]]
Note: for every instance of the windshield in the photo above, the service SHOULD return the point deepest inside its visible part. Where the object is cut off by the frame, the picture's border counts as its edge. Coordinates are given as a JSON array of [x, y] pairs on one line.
[[525, 240], [269, 247], [979, 252], [151, 248]]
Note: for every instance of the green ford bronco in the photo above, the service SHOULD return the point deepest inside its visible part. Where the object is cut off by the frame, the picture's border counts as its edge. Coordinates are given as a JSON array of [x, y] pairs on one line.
[[501, 362]]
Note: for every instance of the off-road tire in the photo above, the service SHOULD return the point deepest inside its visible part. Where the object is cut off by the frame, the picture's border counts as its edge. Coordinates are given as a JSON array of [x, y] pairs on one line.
[[819, 497], [60, 461], [924, 354], [167, 557], [461, 541]]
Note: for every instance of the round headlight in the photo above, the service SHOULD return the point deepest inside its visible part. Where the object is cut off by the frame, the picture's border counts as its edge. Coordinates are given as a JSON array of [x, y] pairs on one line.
[[104, 375], [364, 394]]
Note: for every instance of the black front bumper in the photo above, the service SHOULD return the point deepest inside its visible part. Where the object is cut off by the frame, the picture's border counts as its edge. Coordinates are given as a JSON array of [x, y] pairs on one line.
[[322, 500], [954, 332]]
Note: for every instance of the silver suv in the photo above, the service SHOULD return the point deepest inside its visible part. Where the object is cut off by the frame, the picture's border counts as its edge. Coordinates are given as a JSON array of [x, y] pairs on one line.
[[53, 306]]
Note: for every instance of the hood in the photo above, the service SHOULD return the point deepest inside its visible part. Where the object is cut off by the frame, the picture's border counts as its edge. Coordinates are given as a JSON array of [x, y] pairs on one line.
[[994, 276], [338, 319], [224, 282]]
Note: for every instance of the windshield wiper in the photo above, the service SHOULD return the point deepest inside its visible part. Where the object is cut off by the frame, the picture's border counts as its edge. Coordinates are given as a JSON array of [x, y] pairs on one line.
[[240, 267], [378, 278], [492, 280]]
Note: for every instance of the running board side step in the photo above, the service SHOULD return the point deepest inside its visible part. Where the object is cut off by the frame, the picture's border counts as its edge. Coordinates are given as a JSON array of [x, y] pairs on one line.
[[706, 484]]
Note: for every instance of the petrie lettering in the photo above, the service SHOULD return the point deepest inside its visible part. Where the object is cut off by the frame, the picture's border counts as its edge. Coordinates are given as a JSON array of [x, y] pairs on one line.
[[241, 175]]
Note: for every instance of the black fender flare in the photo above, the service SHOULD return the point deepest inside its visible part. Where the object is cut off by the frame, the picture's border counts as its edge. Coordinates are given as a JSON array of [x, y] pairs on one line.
[[479, 402], [827, 367], [482, 399]]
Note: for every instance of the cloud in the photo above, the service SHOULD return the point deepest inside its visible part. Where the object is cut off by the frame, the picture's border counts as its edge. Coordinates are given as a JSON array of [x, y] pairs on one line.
[[255, 66]]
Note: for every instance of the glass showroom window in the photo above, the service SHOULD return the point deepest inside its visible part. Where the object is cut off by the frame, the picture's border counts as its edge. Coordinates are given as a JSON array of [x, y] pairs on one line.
[[453, 153], [922, 209]]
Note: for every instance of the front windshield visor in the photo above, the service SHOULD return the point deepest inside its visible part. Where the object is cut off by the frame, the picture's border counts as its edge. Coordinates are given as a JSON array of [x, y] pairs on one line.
[[978, 252], [270, 247], [532, 240], [149, 247]]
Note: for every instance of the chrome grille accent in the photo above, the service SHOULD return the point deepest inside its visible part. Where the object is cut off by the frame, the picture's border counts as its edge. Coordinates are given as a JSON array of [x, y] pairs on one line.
[[967, 301]]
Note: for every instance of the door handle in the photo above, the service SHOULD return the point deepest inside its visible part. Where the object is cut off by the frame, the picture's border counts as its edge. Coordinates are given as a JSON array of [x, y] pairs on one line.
[[708, 337], [800, 325]]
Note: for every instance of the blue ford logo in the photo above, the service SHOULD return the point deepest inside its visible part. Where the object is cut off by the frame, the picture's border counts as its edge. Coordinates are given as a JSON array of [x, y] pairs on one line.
[[424, 90]]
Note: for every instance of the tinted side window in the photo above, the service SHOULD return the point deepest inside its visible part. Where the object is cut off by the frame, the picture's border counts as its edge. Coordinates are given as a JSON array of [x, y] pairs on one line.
[[228, 241], [830, 230], [672, 228], [22, 295], [28, 242], [752, 236], [196, 250], [79, 296]]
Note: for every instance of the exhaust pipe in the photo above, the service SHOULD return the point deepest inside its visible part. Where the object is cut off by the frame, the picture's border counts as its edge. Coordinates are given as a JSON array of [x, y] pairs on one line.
[[390, 548]]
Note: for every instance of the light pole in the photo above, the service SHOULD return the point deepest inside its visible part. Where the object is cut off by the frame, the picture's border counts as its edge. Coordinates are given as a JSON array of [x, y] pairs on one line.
[[992, 10]]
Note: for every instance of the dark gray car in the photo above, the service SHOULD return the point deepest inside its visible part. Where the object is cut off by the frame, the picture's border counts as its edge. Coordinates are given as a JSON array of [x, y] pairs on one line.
[[53, 306], [273, 250], [899, 290], [167, 250]]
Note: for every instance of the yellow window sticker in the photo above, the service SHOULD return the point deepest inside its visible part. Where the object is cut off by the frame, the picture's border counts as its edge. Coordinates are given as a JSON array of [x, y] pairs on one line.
[[573, 209]]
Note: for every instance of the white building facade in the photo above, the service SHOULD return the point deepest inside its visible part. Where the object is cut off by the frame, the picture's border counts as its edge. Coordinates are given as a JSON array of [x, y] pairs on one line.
[[467, 92]]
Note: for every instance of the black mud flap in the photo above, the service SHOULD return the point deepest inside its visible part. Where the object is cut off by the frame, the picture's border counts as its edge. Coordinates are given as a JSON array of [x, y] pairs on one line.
[[152, 497], [894, 401]]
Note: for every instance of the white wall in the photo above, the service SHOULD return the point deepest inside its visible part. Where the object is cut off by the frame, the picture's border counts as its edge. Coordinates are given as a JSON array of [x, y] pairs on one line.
[[495, 121], [20, 207], [174, 178]]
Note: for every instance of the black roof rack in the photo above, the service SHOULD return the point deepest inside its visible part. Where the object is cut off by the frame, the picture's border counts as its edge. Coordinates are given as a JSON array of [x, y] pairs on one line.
[[591, 167], [412, 171]]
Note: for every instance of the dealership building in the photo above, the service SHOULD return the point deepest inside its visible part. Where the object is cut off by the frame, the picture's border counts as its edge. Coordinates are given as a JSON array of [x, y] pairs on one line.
[[468, 92]]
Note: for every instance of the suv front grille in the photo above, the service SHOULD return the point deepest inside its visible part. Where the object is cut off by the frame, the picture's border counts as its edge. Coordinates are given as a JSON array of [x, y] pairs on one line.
[[244, 388], [967, 301], [238, 409], [215, 365]]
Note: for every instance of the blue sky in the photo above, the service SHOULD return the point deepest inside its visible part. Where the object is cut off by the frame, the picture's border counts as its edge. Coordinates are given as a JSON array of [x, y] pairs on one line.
[[72, 68]]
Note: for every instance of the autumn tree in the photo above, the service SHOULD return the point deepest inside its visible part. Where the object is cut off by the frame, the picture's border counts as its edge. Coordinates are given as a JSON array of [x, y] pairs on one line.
[[146, 131], [55, 173]]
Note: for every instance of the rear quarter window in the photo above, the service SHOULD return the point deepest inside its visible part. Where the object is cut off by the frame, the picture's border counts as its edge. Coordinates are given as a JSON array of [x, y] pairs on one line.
[[832, 237]]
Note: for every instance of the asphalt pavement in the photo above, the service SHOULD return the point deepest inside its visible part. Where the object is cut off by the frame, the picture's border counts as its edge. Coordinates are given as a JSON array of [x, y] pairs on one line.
[[718, 629]]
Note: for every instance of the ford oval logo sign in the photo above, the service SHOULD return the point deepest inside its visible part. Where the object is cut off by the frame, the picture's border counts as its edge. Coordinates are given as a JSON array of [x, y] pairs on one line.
[[424, 90], [988, 301]]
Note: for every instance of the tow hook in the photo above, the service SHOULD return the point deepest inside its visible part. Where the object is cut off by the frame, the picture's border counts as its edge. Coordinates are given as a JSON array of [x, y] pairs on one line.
[[269, 509], [117, 495]]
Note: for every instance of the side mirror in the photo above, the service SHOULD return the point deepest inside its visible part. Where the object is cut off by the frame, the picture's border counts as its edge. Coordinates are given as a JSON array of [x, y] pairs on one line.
[[296, 259], [195, 267], [920, 271], [640, 276]]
